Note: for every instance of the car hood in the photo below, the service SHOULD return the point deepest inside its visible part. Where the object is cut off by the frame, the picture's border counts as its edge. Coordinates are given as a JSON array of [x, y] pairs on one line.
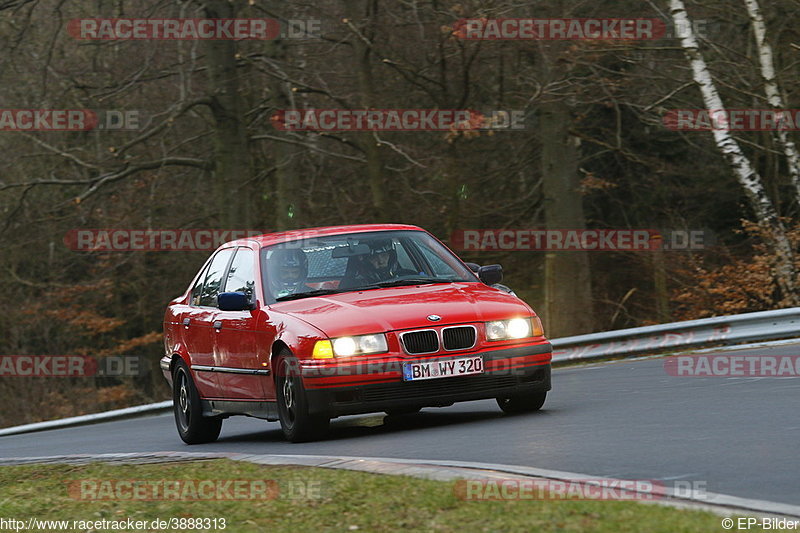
[[398, 308]]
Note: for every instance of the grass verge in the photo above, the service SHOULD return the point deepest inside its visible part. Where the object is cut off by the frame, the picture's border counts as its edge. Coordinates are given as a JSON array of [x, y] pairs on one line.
[[308, 499]]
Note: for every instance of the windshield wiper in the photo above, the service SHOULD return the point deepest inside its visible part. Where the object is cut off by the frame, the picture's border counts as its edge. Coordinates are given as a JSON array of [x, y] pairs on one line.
[[411, 281], [377, 285], [308, 294]]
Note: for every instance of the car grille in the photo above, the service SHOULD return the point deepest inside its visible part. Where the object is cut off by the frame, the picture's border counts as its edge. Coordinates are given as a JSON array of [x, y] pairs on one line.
[[458, 338], [424, 341], [409, 390]]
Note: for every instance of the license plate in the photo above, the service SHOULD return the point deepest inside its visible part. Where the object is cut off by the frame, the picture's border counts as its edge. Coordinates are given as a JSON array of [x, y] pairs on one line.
[[464, 366]]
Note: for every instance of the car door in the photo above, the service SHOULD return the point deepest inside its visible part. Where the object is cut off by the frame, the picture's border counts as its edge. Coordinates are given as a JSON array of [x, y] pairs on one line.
[[198, 323], [241, 375]]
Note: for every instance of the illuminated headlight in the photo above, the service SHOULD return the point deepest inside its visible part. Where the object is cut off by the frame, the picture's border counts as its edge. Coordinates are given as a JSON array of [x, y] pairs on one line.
[[361, 345], [515, 328], [519, 328], [345, 346]]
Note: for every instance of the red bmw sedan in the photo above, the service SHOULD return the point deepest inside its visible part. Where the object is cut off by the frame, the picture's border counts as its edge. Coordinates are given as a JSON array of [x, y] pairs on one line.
[[305, 326]]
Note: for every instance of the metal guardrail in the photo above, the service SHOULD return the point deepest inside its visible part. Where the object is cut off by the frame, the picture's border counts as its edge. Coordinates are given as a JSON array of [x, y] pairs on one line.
[[88, 419], [749, 327]]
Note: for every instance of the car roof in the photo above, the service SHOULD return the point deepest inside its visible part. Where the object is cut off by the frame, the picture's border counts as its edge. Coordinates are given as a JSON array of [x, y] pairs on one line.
[[269, 239]]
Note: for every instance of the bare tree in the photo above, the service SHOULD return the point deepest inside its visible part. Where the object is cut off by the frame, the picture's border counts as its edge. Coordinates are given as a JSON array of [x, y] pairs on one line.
[[773, 93], [749, 179]]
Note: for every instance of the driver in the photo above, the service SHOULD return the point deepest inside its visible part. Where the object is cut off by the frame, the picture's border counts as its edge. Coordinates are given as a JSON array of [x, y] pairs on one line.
[[381, 264], [288, 270]]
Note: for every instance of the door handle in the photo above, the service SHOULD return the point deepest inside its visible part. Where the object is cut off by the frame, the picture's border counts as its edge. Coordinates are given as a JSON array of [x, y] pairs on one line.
[[218, 325]]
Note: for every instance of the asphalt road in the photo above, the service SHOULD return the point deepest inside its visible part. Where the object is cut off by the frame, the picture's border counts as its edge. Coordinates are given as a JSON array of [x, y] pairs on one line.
[[629, 419]]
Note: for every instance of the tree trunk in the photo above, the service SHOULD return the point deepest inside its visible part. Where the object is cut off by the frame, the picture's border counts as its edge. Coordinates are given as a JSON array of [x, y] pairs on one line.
[[366, 10], [568, 289], [773, 93], [660, 286], [233, 169], [285, 184]]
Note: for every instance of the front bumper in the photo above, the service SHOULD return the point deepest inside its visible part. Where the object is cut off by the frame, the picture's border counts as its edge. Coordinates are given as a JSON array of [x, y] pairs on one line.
[[166, 368], [379, 386]]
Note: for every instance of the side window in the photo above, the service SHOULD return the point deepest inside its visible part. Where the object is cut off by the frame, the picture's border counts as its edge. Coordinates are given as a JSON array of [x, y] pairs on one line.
[[198, 287], [208, 296], [242, 275]]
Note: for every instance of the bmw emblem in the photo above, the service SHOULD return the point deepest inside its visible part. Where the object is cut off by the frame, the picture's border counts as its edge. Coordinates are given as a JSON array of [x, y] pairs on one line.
[[434, 318]]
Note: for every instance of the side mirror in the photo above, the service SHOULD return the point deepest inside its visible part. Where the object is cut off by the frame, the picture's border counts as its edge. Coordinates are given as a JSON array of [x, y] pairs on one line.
[[233, 301], [475, 267], [490, 274]]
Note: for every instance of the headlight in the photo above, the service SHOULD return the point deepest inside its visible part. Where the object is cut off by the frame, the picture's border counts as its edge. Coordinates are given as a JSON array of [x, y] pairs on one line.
[[348, 346], [514, 328], [345, 346]]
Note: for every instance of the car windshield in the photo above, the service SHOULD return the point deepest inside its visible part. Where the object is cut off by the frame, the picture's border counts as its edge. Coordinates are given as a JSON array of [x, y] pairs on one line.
[[358, 261]]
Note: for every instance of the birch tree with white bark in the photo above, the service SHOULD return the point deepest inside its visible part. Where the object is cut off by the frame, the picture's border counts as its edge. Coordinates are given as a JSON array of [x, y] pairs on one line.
[[772, 91], [743, 169]]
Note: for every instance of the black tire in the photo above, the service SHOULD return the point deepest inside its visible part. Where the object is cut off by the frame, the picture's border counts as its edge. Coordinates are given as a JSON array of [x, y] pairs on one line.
[[296, 423], [399, 411], [522, 403], [193, 427]]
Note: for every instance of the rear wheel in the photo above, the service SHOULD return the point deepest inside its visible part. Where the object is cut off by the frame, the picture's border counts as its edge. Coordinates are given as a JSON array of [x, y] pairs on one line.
[[522, 403], [296, 423], [193, 427]]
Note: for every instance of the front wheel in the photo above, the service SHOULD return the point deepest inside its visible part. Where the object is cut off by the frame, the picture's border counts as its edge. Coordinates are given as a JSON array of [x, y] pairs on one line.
[[296, 423], [522, 403], [193, 427]]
